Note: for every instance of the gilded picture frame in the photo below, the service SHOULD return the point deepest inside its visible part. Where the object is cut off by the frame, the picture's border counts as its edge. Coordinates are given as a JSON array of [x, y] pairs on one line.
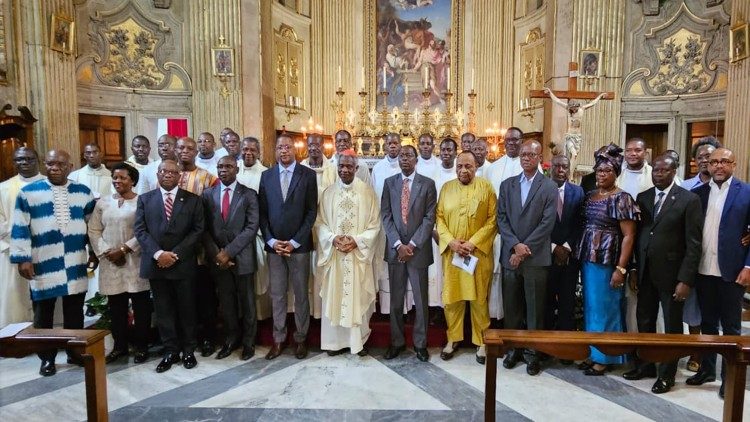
[[222, 61], [739, 42], [62, 34], [590, 64]]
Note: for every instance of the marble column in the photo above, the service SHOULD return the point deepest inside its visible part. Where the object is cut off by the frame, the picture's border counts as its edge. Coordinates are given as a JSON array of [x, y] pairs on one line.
[[737, 123], [46, 81]]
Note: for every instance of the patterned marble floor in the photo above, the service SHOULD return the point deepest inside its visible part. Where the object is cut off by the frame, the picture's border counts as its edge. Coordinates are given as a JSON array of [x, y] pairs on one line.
[[345, 388]]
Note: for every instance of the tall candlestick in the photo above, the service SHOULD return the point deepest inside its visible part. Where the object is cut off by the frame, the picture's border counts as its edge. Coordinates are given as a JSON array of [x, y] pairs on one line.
[[472, 78], [339, 85], [448, 77], [363, 79]]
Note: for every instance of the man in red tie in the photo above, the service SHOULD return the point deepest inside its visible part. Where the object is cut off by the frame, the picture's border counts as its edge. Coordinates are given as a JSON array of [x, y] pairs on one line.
[[232, 218]]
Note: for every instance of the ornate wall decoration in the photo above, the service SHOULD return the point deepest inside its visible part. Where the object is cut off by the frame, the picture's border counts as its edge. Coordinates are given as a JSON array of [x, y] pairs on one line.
[[289, 66], [680, 69], [131, 58], [532, 61]]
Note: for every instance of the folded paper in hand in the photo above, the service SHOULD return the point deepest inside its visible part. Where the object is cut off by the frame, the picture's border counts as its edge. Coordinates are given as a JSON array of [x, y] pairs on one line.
[[468, 264]]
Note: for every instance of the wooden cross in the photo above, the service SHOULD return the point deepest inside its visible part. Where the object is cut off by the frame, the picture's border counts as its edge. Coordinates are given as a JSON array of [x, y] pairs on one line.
[[572, 92]]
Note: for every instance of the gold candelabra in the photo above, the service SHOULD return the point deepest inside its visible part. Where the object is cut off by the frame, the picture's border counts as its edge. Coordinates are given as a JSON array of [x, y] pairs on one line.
[[472, 124], [338, 107]]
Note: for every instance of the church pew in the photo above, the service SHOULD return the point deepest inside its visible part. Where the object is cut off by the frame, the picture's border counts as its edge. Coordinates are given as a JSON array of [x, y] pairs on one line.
[[574, 345], [88, 343]]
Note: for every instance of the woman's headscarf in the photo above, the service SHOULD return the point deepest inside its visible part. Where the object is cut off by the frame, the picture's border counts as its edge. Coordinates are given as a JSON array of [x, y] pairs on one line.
[[610, 154]]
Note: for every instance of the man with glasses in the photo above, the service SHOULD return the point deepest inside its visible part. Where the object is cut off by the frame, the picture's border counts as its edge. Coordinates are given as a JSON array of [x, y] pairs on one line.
[[724, 269], [526, 212], [343, 142], [165, 147], [48, 242], [15, 304]]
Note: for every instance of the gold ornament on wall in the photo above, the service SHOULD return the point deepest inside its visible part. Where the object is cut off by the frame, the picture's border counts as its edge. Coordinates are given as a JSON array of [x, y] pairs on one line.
[[222, 64], [62, 34], [739, 42]]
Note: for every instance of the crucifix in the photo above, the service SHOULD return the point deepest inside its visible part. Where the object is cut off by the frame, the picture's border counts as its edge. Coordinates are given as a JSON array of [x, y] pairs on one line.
[[572, 143]]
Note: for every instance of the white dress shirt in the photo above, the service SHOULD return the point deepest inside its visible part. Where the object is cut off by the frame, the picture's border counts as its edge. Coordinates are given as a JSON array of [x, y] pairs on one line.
[[709, 264], [561, 196]]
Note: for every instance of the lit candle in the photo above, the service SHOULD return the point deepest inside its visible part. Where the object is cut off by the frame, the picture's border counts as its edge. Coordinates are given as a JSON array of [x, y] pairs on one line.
[[363, 78], [426, 77], [527, 103], [406, 90], [448, 76], [520, 104], [339, 77], [384, 79], [472, 78]]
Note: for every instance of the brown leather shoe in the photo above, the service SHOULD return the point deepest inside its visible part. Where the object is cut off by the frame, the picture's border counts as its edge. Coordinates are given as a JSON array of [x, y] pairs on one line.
[[275, 351], [300, 352]]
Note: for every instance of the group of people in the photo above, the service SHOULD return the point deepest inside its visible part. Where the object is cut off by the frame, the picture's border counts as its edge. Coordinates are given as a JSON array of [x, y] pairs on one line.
[[203, 230]]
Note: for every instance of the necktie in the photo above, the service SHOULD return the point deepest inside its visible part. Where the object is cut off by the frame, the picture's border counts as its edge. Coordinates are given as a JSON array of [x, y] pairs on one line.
[[168, 206], [225, 204], [284, 183], [560, 203], [659, 203], [405, 193]]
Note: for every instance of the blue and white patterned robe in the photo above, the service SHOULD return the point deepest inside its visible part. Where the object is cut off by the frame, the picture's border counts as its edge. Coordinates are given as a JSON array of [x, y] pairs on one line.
[[58, 253]]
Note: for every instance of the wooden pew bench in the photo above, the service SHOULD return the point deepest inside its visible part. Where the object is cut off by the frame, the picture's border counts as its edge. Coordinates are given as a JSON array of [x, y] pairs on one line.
[[88, 343], [574, 345]]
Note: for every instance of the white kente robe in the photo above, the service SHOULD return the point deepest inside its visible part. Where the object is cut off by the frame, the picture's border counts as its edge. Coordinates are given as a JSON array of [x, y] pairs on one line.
[[142, 185], [315, 300], [250, 177], [503, 168], [348, 285], [382, 170], [15, 302], [435, 271]]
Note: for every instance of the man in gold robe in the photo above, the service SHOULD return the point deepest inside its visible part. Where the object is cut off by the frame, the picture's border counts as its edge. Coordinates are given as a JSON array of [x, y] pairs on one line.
[[466, 227], [347, 229]]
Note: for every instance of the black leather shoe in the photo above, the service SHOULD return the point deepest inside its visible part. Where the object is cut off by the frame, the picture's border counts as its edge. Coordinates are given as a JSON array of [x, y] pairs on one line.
[[300, 351], [275, 351], [188, 360], [392, 352], [640, 372], [48, 368], [593, 372], [247, 353], [115, 355], [533, 367], [662, 386], [422, 354], [700, 378], [167, 362], [140, 356], [226, 350], [481, 359], [364, 352], [512, 359], [336, 352], [207, 348], [75, 359]]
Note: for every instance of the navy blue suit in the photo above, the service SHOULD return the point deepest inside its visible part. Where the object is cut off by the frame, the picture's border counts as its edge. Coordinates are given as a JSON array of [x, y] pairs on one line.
[[720, 298], [562, 279]]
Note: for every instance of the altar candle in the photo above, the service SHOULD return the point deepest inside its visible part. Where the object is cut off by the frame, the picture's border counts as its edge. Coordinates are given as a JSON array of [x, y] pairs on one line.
[[472, 78], [339, 86], [384, 80], [527, 103], [426, 76], [448, 77], [363, 78]]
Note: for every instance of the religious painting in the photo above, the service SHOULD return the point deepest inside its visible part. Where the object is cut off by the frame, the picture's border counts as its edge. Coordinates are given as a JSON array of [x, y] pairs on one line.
[[413, 51], [62, 34], [3, 57], [590, 63], [222, 61], [738, 43]]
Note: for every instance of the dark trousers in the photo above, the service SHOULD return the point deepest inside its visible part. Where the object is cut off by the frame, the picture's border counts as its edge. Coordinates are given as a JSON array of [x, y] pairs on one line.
[[561, 296], [174, 303], [237, 299], [397, 276], [206, 304], [44, 314], [720, 301], [118, 309], [647, 310], [524, 292], [283, 271]]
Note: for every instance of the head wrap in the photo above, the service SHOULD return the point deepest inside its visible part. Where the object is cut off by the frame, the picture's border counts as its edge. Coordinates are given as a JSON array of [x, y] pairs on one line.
[[610, 154]]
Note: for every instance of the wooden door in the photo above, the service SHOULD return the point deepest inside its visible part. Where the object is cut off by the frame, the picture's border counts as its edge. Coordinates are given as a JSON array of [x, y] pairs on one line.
[[106, 131]]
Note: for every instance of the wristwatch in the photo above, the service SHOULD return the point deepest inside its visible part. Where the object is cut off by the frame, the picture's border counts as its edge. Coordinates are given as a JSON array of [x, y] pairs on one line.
[[622, 270]]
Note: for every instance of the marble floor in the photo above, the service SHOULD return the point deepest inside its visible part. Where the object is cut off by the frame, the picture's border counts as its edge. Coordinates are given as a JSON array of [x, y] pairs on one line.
[[345, 388]]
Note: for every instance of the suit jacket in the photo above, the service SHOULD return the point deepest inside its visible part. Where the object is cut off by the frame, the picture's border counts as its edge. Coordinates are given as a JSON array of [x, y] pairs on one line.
[[236, 235], [180, 234], [420, 220], [292, 219], [531, 224], [569, 228], [669, 244], [735, 220]]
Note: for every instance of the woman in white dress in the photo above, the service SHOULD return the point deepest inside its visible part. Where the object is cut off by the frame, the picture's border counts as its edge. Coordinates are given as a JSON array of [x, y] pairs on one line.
[[111, 235]]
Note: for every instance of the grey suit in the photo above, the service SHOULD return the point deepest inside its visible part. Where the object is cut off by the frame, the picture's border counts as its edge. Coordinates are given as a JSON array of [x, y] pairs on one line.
[[236, 236], [417, 230], [530, 223]]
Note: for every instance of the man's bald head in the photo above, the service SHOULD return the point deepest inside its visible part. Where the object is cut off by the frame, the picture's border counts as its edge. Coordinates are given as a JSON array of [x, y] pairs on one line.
[[58, 166]]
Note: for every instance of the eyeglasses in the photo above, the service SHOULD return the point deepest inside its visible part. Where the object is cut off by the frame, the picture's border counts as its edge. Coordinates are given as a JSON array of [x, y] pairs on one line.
[[723, 162], [528, 155]]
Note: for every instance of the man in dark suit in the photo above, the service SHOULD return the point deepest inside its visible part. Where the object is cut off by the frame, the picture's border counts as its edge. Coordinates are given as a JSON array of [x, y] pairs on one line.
[[724, 269], [563, 275], [668, 251], [407, 208], [232, 214], [168, 226], [288, 196], [526, 210]]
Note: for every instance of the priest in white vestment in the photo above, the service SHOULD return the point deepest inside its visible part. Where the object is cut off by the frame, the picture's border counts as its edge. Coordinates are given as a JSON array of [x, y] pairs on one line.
[[165, 147], [140, 146], [343, 142], [479, 149], [427, 164], [507, 166], [250, 169], [15, 301], [347, 229], [207, 157]]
